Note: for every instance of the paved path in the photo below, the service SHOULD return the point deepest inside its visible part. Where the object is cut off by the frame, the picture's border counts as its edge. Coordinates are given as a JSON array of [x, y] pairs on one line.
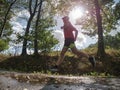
[[30, 81]]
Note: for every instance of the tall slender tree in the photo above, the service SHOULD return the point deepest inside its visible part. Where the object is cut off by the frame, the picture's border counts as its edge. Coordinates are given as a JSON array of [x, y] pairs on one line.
[[101, 49], [32, 12], [6, 16], [5, 26], [36, 29]]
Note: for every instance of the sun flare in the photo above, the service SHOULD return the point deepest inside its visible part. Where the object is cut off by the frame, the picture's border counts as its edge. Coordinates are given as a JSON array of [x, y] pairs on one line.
[[76, 13]]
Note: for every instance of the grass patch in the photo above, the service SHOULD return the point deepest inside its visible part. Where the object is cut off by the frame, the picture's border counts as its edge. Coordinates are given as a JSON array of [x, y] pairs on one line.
[[71, 66]]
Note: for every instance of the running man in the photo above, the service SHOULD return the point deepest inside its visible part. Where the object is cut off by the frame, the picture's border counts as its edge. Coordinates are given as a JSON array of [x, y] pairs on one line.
[[70, 38]]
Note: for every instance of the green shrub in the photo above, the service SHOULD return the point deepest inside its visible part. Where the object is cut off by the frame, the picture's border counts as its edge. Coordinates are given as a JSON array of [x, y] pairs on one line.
[[3, 45]]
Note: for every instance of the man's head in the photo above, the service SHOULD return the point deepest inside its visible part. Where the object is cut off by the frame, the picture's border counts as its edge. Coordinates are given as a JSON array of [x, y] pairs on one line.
[[66, 18]]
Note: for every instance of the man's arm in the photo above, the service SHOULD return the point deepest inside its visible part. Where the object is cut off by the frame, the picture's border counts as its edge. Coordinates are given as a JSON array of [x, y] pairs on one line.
[[76, 33]]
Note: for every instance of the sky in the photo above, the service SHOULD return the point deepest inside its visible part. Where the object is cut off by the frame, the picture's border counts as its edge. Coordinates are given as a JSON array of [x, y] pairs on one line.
[[116, 1], [82, 41]]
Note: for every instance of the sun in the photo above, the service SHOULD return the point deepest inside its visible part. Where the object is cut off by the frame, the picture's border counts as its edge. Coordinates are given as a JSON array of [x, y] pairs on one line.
[[76, 12]]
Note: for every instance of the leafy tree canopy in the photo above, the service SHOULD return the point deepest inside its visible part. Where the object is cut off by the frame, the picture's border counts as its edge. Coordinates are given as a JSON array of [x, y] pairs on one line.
[[112, 41]]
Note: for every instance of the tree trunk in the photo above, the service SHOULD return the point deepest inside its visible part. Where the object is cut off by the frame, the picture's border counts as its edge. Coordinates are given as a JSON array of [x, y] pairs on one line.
[[24, 47], [32, 14], [36, 30], [101, 50], [5, 19]]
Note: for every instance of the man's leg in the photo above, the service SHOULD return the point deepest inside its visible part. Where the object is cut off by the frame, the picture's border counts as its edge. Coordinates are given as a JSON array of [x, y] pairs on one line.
[[79, 53], [60, 60], [82, 54], [62, 55]]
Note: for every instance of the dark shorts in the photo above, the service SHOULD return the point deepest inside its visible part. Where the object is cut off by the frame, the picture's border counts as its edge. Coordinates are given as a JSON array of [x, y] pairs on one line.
[[69, 43]]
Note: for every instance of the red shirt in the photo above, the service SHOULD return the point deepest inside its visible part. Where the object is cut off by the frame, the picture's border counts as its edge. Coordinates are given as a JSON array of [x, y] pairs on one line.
[[68, 31]]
